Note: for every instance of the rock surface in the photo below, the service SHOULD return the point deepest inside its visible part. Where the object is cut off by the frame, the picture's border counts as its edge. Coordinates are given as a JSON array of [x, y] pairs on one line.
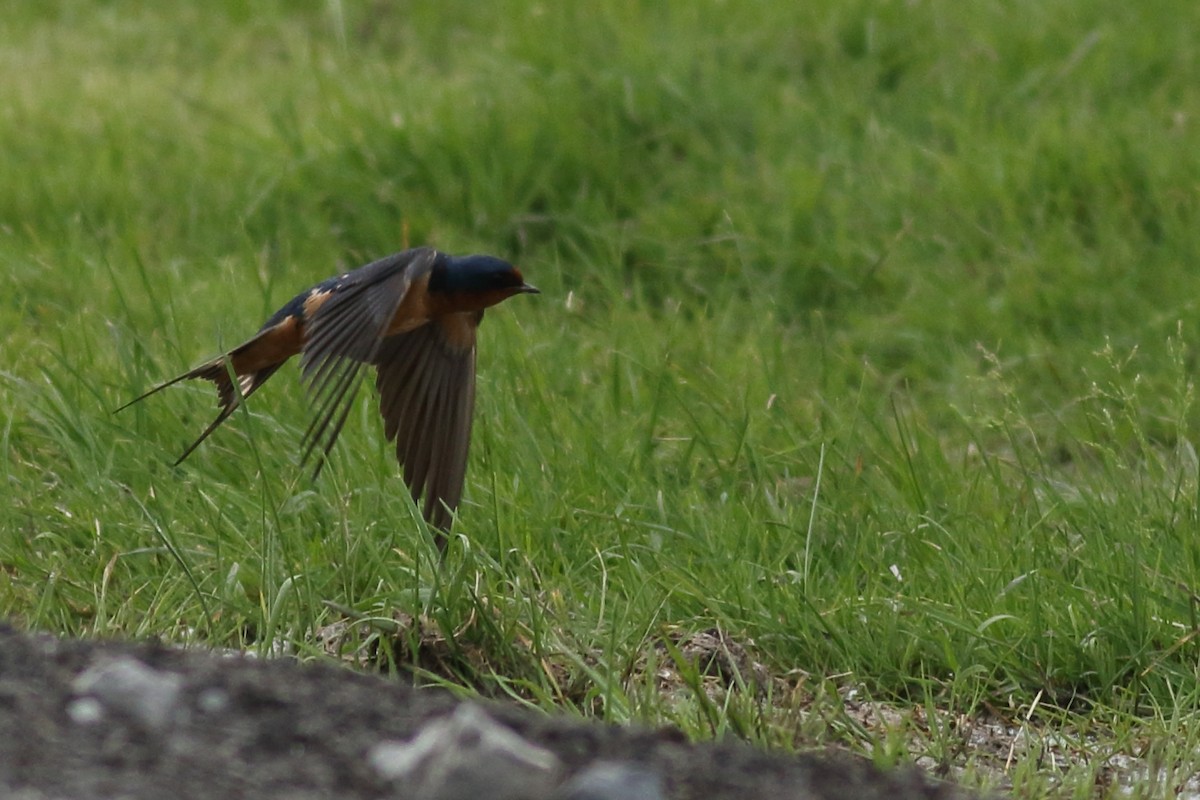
[[86, 719]]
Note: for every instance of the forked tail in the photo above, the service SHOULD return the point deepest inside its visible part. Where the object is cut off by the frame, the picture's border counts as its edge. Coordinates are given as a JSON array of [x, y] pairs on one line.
[[229, 394]]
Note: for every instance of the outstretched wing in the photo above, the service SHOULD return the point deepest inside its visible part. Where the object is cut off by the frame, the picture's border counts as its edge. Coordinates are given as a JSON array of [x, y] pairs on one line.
[[344, 332], [426, 383]]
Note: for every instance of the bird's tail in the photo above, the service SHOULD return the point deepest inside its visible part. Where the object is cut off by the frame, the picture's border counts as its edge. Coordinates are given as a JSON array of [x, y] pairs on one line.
[[221, 372]]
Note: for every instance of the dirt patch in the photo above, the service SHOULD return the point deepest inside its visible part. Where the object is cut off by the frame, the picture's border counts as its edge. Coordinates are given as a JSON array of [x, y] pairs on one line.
[[86, 719]]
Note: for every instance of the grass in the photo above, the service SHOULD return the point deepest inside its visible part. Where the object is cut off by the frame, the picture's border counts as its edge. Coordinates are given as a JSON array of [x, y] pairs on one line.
[[867, 339]]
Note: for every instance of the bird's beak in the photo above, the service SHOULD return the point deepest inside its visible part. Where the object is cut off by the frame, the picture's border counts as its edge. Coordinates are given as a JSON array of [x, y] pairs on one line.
[[527, 289]]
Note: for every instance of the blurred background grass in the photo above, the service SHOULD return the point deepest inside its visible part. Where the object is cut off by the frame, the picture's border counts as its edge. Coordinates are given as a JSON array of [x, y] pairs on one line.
[[867, 336]]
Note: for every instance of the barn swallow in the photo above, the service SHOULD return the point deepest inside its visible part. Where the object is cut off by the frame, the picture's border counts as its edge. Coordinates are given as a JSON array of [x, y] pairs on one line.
[[412, 316]]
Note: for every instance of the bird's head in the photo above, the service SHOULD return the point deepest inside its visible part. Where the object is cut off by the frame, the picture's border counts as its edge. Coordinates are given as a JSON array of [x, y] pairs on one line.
[[472, 283]]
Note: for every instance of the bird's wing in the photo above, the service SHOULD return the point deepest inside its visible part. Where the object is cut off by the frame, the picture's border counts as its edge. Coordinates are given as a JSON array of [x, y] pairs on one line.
[[426, 383], [345, 332]]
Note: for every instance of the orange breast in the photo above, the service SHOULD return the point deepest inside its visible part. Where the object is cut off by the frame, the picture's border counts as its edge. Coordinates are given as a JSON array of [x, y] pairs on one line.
[[414, 309], [459, 329]]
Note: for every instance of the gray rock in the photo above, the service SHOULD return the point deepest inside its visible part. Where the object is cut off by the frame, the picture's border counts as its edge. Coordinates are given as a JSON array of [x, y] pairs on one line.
[[611, 780], [467, 755], [85, 710], [249, 728], [127, 685]]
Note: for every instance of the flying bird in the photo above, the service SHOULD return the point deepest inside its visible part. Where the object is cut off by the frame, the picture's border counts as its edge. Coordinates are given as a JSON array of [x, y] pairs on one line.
[[413, 317]]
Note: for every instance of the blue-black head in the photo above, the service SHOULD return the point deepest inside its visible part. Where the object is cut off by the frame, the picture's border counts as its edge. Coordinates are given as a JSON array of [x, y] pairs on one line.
[[478, 274]]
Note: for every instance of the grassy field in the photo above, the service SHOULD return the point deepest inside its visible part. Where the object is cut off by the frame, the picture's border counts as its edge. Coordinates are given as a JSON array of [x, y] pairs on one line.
[[865, 346]]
